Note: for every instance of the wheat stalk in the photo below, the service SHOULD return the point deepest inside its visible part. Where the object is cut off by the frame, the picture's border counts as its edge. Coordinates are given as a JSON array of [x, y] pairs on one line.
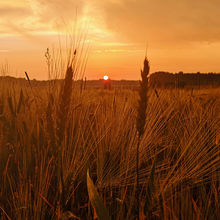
[[141, 118], [62, 116], [64, 104]]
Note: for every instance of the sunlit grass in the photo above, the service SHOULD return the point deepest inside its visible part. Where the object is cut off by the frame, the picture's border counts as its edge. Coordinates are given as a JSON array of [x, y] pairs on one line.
[[100, 134]]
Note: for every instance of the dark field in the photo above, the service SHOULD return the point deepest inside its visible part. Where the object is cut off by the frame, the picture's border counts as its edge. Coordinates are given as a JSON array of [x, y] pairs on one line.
[[57, 141]]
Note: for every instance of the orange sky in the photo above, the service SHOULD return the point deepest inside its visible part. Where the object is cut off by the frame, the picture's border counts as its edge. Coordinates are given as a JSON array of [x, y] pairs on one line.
[[181, 35]]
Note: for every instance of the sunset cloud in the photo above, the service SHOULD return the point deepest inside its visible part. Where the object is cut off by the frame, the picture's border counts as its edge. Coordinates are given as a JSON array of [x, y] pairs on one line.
[[156, 21], [14, 12], [178, 34], [164, 22]]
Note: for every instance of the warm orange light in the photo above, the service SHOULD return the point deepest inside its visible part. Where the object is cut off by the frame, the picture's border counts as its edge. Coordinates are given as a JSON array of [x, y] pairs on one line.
[[105, 77]]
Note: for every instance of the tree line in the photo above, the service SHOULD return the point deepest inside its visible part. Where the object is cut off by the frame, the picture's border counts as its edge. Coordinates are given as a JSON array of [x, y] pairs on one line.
[[184, 80]]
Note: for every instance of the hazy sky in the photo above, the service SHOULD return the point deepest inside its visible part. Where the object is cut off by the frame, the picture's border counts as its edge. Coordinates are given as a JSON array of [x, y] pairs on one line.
[[180, 35]]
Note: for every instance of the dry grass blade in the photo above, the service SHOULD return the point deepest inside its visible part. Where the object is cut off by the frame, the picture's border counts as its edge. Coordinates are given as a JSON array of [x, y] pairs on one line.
[[20, 102], [50, 122], [3, 211], [150, 191], [96, 201], [68, 215], [11, 107]]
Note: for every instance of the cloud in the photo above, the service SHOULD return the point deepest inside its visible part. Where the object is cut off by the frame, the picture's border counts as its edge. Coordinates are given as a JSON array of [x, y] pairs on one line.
[[14, 18], [55, 12], [159, 21], [11, 11], [36, 15]]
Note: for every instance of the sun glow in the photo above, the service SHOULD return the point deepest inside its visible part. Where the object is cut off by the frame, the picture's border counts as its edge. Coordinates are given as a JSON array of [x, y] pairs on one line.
[[105, 77]]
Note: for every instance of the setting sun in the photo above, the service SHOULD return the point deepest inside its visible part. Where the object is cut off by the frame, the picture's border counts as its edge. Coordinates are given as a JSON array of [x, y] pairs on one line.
[[105, 77]]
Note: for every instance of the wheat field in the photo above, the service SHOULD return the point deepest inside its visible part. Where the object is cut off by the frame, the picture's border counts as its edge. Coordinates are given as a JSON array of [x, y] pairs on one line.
[[70, 153]]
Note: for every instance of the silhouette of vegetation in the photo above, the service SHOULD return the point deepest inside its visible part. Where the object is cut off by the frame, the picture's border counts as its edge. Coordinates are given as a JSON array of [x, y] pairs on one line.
[[184, 80], [68, 147]]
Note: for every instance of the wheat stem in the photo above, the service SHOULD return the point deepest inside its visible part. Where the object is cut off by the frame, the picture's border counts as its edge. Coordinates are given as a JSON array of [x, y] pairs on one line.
[[141, 119]]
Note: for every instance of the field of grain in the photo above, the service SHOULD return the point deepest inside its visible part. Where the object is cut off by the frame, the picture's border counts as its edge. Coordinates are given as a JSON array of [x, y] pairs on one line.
[[70, 153]]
